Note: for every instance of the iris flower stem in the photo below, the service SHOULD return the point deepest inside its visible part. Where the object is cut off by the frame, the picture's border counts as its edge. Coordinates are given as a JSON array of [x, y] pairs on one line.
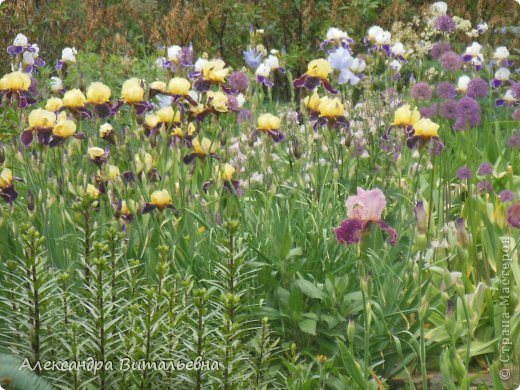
[[468, 326], [365, 299], [422, 346], [101, 323], [86, 219]]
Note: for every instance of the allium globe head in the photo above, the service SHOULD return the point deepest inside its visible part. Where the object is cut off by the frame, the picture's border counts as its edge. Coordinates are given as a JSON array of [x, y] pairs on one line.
[[421, 91], [477, 88], [448, 109], [446, 90], [485, 169], [468, 113], [514, 141], [439, 48], [429, 112], [464, 173], [484, 187], [506, 196], [445, 24], [451, 61], [515, 90], [238, 81]]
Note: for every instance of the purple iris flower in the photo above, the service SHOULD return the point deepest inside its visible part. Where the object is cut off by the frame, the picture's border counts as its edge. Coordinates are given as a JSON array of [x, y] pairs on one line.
[[253, 58]]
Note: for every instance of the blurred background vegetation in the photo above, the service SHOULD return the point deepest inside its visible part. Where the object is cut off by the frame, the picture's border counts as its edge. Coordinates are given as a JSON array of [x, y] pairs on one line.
[[136, 27]]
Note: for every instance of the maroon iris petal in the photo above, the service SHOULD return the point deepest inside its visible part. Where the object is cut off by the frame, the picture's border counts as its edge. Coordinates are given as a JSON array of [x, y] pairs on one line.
[[513, 215], [27, 137], [142, 107], [147, 208], [276, 135], [189, 158], [44, 135], [349, 232], [311, 83], [299, 83], [328, 87], [9, 194], [392, 234], [103, 110]]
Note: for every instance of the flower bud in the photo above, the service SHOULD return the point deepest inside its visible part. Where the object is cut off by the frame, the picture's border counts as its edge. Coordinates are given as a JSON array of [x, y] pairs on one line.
[[462, 233], [351, 329], [421, 217]]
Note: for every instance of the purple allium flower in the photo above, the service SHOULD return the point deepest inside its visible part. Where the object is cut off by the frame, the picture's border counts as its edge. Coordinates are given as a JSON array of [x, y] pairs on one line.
[[446, 90], [477, 88], [421, 91], [514, 141], [516, 115], [451, 61], [445, 23], [515, 90], [429, 112], [484, 186], [506, 196], [513, 215], [448, 109], [468, 113], [485, 169], [464, 173], [238, 81], [439, 48]]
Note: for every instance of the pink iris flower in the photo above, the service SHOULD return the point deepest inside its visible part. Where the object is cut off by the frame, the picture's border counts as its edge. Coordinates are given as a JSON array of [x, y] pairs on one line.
[[363, 209]]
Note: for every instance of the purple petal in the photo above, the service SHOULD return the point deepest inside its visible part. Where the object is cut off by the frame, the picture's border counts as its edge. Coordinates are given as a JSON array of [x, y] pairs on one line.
[[27, 137], [392, 234], [103, 110], [22, 101], [38, 62], [9, 194], [299, 83], [329, 87], [349, 232], [189, 158], [84, 112], [268, 83], [311, 83], [229, 91], [513, 215], [496, 83], [411, 142], [14, 50], [128, 176], [44, 136], [276, 135], [147, 208], [202, 85], [142, 107]]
